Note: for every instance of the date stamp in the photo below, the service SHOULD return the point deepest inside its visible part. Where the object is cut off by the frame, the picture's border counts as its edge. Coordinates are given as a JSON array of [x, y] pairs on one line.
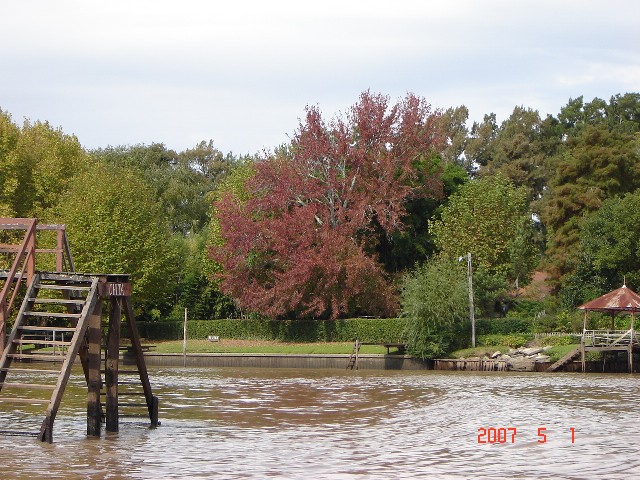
[[508, 435]]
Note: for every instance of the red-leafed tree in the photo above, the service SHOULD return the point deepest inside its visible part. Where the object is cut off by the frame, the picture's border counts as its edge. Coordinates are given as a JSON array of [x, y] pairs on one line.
[[301, 244]]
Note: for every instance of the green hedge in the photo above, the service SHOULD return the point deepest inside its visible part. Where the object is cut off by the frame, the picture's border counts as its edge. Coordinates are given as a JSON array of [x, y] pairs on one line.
[[375, 330]]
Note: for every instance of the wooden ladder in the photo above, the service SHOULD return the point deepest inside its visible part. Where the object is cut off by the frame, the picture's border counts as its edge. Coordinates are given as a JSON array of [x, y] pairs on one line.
[[564, 360], [52, 322], [353, 359]]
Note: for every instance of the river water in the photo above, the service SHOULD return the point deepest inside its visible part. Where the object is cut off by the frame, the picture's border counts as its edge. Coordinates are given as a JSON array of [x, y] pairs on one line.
[[324, 424]]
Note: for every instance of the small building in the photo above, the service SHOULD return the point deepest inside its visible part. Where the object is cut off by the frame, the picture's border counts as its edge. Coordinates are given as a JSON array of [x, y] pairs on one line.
[[620, 301]]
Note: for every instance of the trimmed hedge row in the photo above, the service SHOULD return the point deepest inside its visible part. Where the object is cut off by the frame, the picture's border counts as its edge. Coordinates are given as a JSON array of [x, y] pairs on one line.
[[374, 330]]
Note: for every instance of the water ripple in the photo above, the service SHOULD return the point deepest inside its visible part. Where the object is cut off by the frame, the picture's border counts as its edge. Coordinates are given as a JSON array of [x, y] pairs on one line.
[[239, 424]]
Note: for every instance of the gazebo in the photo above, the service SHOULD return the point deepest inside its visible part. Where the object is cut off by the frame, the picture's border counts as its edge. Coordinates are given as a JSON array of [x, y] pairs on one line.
[[622, 300]]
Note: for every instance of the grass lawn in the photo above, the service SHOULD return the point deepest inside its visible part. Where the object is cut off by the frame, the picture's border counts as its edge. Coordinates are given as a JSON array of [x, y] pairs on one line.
[[260, 346]]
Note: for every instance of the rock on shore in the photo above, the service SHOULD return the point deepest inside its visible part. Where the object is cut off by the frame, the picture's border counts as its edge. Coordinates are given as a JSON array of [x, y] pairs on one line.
[[523, 359]]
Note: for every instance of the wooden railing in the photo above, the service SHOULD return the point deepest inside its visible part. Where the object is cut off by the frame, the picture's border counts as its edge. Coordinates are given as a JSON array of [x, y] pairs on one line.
[[23, 266], [23, 263], [609, 338]]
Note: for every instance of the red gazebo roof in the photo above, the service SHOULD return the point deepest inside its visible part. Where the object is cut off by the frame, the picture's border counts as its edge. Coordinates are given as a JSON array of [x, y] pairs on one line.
[[622, 299]]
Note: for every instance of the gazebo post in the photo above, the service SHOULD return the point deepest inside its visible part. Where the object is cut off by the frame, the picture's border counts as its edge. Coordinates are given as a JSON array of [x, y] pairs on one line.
[[633, 318], [584, 333]]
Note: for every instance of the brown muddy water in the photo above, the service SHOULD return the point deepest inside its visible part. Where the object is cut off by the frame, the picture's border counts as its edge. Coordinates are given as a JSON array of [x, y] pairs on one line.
[[326, 424]]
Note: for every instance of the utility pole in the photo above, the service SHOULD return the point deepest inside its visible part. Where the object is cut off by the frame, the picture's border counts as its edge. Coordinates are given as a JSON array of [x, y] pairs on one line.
[[471, 309]]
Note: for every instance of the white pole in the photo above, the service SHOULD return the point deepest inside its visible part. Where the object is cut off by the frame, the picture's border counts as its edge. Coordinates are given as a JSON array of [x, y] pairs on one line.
[[471, 309], [184, 340]]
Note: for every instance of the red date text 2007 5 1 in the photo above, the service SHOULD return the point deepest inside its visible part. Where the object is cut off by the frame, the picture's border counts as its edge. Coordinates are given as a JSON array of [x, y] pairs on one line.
[[508, 435]]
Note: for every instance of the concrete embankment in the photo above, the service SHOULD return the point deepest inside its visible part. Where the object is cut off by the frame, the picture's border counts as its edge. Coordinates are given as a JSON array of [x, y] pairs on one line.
[[272, 360], [340, 361]]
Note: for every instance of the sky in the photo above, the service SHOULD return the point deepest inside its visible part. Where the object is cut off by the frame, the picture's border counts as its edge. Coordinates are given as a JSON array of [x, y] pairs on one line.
[[242, 72]]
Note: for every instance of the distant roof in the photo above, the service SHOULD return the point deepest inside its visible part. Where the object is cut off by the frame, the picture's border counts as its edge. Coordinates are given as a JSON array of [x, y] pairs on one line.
[[622, 299]]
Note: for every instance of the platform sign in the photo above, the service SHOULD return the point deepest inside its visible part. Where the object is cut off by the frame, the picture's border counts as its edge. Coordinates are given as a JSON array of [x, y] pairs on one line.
[[115, 289]]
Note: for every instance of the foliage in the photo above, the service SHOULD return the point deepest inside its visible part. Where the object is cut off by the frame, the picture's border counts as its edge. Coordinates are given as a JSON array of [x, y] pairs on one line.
[[37, 165], [452, 123], [414, 244], [489, 219], [374, 330], [180, 180], [486, 217], [195, 291], [526, 309], [609, 251], [303, 245], [115, 226], [435, 302], [520, 148], [557, 340], [599, 160], [512, 340], [503, 326], [567, 321]]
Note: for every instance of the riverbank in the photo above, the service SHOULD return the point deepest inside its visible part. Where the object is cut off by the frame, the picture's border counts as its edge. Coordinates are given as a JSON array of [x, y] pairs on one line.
[[280, 360]]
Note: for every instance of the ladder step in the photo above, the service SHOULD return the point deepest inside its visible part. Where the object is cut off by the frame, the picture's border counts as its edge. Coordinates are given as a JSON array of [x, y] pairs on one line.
[[47, 286], [30, 370], [53, 314], [125, 372], [40, 401], [37, 356], [18, 433], [35, 328], [33, 341], [120, 404], [37, 386], [126, 394], [57, 301]]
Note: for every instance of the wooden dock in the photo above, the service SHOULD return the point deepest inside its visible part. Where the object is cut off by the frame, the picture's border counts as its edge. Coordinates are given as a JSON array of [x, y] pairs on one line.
[[475, 365]]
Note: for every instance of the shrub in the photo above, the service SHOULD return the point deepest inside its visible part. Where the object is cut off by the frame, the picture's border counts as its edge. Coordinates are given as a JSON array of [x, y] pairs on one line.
[[555, 340], [503, 326], [511, 340]]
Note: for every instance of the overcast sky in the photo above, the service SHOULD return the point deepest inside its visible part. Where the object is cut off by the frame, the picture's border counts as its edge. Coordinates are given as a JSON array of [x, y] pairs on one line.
[[241, 72]]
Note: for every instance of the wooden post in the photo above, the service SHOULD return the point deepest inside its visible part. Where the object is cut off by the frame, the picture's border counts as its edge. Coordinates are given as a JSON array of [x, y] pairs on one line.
[[152, 401], [471, 307], [59, 250], [111, 364], [184, 340], [357, 352], [94, 381]]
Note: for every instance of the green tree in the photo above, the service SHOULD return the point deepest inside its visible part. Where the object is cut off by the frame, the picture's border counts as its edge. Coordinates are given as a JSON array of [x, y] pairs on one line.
[[115, 225], [38, 164], [489, 219], [520, 149], [435, 302], [609, 251], [9, 164], [596, 164], [180, 181], [452, 123], [198, 292]]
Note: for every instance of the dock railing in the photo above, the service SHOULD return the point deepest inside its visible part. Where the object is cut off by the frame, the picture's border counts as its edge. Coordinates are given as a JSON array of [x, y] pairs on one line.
[[23, 266], [609, 338]]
